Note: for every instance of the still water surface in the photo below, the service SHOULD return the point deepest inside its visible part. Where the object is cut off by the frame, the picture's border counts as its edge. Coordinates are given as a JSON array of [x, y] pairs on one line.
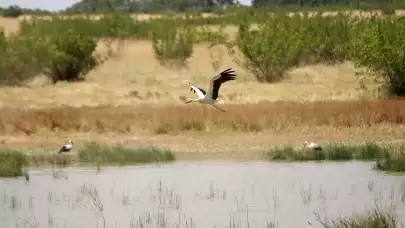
[[198, 194]]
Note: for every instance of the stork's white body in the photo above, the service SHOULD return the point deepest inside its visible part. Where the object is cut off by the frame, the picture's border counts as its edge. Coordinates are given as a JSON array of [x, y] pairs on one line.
[[66, 148], [312, 145], [211, 95]]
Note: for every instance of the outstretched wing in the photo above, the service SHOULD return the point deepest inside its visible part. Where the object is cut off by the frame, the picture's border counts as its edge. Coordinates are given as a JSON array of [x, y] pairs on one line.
[[215, 83], [200, 92]]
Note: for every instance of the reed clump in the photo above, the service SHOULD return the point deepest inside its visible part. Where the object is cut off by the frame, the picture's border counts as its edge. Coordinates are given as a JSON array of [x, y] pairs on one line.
[[177, 119], [11, 163], [94, 152]]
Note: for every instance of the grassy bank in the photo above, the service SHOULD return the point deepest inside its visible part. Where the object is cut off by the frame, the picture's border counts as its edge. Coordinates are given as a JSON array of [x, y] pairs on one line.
[[388, 158], [12, 162], [64, 49], [94, 152], [176, 119]]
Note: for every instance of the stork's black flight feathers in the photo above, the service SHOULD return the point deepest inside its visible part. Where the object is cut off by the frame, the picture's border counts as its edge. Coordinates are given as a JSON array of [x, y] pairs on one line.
[[224, 76]]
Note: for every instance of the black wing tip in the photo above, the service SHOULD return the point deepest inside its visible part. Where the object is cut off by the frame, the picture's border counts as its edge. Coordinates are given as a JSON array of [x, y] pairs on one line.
[[229, 70], [228, 73]]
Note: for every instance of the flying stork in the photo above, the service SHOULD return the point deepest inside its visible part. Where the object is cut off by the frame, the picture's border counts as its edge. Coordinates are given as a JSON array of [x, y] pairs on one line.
[[66, 148], [211, 96], [312, 145]]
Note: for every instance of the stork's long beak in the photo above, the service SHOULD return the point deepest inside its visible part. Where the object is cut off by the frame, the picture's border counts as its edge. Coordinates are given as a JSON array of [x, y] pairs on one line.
[[189, 101]]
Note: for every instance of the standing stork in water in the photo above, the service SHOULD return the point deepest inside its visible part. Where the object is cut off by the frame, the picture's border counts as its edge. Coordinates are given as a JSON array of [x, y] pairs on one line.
[[66, 148], [211, 96]]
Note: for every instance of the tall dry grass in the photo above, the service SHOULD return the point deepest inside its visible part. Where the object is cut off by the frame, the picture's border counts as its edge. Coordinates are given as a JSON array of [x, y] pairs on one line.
[[174, 119]]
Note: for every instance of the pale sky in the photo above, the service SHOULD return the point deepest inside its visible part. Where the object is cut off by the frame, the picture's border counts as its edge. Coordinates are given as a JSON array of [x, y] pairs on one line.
[[55, 5]]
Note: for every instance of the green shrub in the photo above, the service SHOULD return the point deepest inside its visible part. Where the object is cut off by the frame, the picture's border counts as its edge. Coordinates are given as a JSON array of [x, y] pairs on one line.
[[283, 42], [267, 53], [71, 56], [12, 11], [21, 58], [380, 48], [172, 44]]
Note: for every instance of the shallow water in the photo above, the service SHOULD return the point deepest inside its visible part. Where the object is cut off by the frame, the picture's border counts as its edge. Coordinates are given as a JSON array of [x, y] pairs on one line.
[[198, 194]]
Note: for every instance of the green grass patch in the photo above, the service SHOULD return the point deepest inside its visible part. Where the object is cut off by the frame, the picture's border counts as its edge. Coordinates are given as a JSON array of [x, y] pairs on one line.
[[11, 163], [94, 152], [334, 152], [391, 158], [372, 219]]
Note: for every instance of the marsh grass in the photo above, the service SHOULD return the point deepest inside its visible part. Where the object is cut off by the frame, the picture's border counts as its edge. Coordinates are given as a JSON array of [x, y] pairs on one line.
[[11, 163], [372, 219], [335, 152], [94, 152]]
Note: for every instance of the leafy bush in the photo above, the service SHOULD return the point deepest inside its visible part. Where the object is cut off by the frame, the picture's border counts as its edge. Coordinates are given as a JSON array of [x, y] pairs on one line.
[[71, 56], [12, 11], [283, 42], [266, 53], [380, 48], [172, 45], [66, 56], [20, 58]]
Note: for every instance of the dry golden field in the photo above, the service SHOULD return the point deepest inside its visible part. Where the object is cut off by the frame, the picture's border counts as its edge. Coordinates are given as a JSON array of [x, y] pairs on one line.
[[132, 99]]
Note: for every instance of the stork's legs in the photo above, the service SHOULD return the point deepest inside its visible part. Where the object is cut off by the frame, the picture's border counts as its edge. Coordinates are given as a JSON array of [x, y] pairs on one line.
[[218, 108]]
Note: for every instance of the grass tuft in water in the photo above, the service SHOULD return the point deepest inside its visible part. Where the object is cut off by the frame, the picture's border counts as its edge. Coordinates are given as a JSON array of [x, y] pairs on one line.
[[11, 163], [373, 219], [94, 152], [329, 152]]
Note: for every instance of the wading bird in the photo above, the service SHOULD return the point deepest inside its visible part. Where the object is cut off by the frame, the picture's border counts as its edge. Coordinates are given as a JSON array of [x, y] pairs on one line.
[[211, 95], [67, 147], [312, 145]]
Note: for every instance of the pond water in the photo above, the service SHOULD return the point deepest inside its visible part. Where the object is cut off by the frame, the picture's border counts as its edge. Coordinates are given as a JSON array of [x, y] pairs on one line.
[[198, 194]]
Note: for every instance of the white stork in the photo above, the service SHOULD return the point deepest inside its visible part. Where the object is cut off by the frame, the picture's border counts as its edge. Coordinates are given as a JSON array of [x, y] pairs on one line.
[[67, 147], [312, 145], [213, 89]]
